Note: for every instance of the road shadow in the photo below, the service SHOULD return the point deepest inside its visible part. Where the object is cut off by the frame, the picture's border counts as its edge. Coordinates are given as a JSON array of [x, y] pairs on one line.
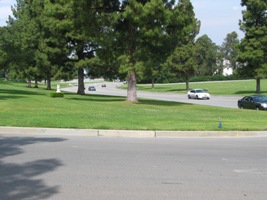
[[19, 181]]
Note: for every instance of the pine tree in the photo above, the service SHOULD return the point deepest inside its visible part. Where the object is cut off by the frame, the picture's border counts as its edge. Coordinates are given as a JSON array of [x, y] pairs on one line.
[[253, 48], [206, 55], [148, 32], [229, 49]]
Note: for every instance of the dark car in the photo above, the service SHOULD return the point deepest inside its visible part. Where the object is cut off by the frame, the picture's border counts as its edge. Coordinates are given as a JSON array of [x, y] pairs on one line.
[[91, 88], [257, 102]]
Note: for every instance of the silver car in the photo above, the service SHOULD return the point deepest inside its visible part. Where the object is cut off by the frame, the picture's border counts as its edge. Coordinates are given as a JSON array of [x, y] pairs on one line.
[[198, 94]]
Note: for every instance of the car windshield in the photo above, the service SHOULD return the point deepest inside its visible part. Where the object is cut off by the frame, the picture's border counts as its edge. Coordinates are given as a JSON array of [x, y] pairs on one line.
[[200, 91], [260, 98]]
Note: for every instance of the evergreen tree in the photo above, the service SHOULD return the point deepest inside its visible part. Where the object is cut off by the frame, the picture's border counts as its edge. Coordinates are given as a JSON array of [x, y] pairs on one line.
[[206, 56], [253, 47], [183, 62], [229, 49], [34, 60], [76, 23], [23, 36], [4, 55], [148, 32]]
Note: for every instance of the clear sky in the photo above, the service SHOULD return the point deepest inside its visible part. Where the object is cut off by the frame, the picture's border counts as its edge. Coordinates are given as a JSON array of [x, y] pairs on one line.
[[218, 17], [5, 10]]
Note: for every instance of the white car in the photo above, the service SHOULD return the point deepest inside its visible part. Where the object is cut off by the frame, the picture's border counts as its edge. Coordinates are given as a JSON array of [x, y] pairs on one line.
[[198, 94]]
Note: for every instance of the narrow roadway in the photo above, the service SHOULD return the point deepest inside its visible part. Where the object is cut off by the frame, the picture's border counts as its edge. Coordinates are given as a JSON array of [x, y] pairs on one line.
[[111, 89]]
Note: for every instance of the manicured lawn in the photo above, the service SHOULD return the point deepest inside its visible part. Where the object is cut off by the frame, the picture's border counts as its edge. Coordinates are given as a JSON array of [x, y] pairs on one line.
[[237, 88], [33, 107]]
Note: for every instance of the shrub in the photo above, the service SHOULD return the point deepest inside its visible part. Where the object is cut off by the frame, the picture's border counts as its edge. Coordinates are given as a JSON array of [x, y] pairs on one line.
[[56, 94]]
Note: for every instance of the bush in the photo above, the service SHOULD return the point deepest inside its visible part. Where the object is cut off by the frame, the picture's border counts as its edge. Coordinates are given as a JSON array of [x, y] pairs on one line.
[[56, 94]]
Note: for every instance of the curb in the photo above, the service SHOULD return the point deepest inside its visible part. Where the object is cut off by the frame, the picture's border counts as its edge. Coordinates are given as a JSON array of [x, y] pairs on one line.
[[131, 133], [211, 134]]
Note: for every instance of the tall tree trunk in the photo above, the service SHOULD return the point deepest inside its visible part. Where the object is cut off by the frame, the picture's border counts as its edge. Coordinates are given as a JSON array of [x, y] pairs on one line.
[[48, 82], [48, 79], [29, 83], [6, 74], [36, 82], [258, 85], [131, 93], [187, 84], [80, 82], [153, 82]]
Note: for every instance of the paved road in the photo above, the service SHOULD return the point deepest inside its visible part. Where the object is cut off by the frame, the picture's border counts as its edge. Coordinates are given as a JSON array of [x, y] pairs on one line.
[[78, 167], [111, 89]]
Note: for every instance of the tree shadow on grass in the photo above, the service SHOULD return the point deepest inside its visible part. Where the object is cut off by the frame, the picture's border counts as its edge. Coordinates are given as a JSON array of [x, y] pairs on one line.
[[11, 97], [19, 92], [96, 98], [18, 181], [249, 92], [176, 90], [107, 98], [160, 103], [165, 89]]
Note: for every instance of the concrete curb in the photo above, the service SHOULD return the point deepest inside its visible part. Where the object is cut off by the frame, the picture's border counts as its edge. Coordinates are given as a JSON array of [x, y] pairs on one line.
[[211, 134], [47, 131], [131, 133], [126, 133]]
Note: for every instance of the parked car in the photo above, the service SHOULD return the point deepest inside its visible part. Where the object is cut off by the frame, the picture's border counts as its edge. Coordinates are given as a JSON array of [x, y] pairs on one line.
[[198, 94], [257, 102], [91, 88]]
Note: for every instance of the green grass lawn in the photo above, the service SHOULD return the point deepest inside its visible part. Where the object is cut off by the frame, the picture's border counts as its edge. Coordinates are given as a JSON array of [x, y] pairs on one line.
[[33, 107], [237, 88]]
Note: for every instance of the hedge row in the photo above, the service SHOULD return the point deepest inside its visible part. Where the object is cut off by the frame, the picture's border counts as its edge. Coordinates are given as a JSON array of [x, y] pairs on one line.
[[57, 94], [201, 79]]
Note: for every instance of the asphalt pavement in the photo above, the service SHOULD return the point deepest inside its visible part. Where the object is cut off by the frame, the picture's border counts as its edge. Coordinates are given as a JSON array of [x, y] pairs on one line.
[[70, 167]]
